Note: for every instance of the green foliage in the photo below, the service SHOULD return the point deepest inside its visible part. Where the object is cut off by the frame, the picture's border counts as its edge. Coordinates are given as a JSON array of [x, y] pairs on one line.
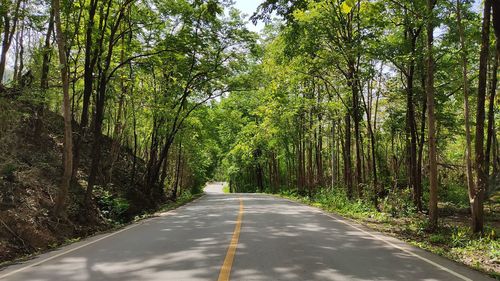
[[337, 200], [186, 195], [113, 208], [459, 237], [399, 203], [7, 171], [454, 193], [347, 6], [437, 238]]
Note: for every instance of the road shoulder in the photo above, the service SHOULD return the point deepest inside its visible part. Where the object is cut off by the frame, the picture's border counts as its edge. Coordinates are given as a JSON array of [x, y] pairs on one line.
[[459, 270]]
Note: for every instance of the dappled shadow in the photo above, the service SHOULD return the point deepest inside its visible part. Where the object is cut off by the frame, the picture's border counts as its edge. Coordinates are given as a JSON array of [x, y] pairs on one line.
[[188, 244], [279, 240]]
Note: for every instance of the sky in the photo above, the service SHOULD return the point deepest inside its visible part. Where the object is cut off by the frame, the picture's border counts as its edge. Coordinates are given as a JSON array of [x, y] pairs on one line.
[[248, 7]]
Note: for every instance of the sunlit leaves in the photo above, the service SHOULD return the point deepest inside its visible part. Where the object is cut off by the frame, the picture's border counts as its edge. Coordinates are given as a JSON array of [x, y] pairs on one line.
[[347, 6], [307, 15]]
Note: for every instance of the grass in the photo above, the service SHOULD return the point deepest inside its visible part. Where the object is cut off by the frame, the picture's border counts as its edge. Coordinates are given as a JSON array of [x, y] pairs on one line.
[[452, 239]]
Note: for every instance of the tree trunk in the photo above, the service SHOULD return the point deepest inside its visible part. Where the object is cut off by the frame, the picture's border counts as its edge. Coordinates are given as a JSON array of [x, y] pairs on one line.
[[420, 153], [15, 76], [411, 132], [100, 104], [90, 61], [468, 137], [347, 156], [9, 27], [96, 149], [433, 173], [333, 155], [496, 158], [476, 198], [134, 124], [357, 134], [178, 170], [21, 56], [371, 133], [411, 34], [491, 113], [60, 205], [310, 170], [44, 78], [117, 135], [319, 154], [496, 22]]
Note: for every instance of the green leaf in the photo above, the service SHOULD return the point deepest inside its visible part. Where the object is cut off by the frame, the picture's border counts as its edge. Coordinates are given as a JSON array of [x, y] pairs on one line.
[[346, 7]]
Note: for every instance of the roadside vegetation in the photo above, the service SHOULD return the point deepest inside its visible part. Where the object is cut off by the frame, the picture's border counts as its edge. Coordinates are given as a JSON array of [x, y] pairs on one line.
[[225, 188], [397, 217]]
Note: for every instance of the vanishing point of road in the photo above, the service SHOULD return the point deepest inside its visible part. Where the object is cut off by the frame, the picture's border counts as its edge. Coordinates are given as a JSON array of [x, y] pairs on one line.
[[240, 237]]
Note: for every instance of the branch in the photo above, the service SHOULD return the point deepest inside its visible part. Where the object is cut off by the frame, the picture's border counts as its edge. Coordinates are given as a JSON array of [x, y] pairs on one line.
[[133, 58]]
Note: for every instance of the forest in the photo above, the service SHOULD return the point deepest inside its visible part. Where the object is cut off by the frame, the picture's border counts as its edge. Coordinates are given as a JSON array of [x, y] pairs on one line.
[[380, 110]]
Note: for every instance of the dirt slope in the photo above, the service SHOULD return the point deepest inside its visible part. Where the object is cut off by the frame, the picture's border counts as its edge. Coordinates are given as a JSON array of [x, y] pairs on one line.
[[30, 172]]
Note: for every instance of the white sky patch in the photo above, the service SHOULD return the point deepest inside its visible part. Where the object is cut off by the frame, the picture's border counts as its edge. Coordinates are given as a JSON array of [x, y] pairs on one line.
[[248, 8]]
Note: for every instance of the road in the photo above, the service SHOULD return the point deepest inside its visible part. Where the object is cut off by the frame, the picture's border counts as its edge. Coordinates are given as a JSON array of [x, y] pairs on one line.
[[277, 240]]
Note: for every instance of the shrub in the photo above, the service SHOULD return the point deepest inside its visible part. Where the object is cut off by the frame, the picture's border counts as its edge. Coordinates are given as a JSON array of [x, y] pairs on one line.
[[437, 238], [459, 237], [8, 170], [399, 203], [337, 200], [454, 193], [185, 195], [494, 250], [113, 208]]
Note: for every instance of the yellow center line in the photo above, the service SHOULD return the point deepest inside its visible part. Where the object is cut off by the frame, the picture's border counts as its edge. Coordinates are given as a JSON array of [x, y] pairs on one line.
[[225, 271]]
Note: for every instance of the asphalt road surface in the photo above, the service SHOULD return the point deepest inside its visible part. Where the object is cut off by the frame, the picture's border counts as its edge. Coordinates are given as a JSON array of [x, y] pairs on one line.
[[240, 237]]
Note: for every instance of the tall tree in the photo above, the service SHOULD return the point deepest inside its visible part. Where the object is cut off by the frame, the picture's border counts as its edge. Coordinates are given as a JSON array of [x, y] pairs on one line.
[[433, 173], [91, 56], [44, 76], [11, 13], [477, 195], [468, 137], [60, 205]]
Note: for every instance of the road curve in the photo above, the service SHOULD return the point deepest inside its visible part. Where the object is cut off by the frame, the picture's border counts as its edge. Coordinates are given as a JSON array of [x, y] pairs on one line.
[[278, 240]]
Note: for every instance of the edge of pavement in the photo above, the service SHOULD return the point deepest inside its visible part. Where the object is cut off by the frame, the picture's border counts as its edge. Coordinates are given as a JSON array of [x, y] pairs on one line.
[[459, 270], [12, 267]]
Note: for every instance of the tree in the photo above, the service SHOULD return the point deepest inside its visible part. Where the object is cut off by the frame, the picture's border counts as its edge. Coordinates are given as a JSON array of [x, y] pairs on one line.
[[433, 176], [477, 195], [60, 205], [44, 76], [10, 13], [468, 137]]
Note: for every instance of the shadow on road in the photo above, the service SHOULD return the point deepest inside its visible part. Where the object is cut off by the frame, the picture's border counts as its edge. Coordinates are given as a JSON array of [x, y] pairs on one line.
[[279, 241]]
